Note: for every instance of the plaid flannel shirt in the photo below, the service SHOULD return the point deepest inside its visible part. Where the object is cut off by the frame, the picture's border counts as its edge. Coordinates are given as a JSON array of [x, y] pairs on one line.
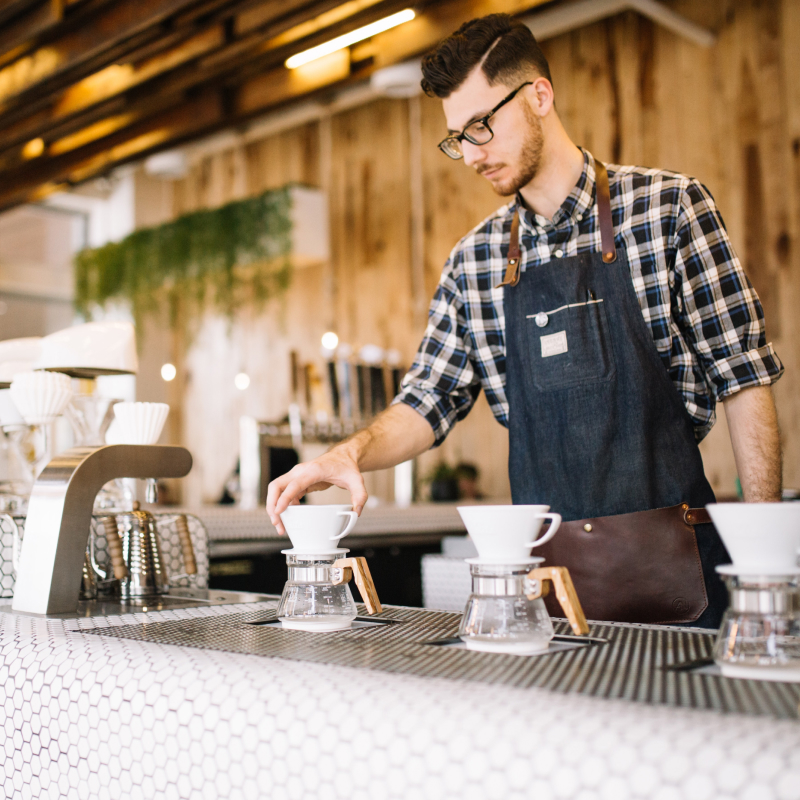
[[705, 317]]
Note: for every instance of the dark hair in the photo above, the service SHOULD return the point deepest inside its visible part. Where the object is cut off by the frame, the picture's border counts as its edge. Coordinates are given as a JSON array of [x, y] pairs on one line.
[[514, 52]]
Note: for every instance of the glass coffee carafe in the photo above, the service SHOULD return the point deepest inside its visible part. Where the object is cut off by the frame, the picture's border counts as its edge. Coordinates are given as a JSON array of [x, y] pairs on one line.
[[317, 596], [505, 612], [760, 633]]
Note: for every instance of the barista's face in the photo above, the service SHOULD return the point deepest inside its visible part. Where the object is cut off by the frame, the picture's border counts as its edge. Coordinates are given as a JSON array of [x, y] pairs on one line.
[[513, 157]]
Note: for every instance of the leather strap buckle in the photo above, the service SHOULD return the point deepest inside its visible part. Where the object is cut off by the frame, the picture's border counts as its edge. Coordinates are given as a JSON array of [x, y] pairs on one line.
[[695, 516]]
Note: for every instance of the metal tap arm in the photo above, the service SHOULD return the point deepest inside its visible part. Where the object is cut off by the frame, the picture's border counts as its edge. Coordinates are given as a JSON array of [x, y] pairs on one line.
[[60, 517]]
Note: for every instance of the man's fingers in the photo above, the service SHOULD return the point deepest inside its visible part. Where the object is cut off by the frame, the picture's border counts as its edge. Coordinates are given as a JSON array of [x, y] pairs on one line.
[[358, 491], [274, 492]]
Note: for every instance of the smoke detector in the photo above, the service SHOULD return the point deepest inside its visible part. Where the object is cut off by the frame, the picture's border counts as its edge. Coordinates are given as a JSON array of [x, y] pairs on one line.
[[400, 80], [169, 165]]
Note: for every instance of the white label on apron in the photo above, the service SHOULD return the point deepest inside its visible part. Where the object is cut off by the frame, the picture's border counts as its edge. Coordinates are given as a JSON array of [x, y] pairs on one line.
[[554, 345]]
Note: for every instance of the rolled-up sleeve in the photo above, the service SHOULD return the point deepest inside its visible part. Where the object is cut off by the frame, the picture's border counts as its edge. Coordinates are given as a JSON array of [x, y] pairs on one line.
[[442, 384], [718, 309]]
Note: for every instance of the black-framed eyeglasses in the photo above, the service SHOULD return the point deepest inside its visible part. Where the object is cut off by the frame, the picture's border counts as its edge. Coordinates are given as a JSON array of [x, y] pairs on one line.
[[478, 131]]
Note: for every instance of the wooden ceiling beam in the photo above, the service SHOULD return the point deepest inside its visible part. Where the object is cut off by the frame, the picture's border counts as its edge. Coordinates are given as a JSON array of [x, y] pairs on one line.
[[196, 61], [166, 128], [104, 33], [243, 83]]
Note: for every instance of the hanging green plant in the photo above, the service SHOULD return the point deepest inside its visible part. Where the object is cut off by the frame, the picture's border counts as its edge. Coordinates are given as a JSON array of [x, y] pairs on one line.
[[224, 258]]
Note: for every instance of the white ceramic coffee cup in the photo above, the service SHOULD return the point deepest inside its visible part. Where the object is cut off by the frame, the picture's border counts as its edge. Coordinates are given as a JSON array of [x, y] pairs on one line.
[[316, 530], [506, 534], [761, 537]]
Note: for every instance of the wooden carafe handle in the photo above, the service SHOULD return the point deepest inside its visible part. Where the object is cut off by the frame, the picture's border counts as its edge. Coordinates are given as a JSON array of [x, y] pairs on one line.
[[114, 545], [189, 561], [359, 569], [565, 593]]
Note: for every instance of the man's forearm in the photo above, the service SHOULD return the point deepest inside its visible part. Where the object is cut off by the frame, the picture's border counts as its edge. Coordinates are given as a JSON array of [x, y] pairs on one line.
[[753, 424], [398, 434]]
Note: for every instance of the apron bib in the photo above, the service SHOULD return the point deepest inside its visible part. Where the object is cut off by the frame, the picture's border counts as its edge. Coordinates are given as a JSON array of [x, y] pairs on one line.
[[599, 432]]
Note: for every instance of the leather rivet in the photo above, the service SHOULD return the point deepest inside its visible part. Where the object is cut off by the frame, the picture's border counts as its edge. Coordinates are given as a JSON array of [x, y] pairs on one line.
[[541, 319], [587, 527]]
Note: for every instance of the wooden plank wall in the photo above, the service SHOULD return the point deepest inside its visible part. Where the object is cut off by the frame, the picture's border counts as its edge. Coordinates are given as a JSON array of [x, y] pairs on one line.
[[629, 91]]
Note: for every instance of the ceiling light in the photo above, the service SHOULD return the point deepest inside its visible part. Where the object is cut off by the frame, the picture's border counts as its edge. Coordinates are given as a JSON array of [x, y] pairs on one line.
[[168, 372], [340, 42], [330, 340], [242, 381], [33, 149]]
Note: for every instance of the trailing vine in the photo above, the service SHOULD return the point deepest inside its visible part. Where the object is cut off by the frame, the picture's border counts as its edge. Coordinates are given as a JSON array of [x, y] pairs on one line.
[[225, 258]]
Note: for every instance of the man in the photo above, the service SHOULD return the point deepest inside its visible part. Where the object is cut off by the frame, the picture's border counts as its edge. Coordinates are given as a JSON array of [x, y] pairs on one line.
[[603, 312]]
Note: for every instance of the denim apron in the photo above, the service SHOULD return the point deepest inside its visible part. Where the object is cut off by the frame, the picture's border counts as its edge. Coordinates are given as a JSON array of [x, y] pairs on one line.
[[596, 426]]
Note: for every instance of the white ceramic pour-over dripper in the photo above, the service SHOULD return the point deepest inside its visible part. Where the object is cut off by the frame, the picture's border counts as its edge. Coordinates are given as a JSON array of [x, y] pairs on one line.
[[762, 538], [40, 397], [316, 530], [505, 534], [139, 423]]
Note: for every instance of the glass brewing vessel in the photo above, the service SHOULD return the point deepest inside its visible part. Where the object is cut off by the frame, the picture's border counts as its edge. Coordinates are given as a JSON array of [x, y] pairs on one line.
[[503, 613], [315, 598], [760, 633]]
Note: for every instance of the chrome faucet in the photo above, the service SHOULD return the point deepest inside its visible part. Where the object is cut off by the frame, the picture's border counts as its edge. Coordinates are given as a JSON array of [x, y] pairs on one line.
[[60, 516]]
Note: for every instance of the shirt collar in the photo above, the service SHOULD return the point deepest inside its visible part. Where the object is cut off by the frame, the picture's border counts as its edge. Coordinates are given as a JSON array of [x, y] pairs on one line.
[[579, 201]]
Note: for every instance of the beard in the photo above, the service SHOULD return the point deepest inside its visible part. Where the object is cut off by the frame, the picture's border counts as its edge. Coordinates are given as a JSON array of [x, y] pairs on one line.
[[530, 159]]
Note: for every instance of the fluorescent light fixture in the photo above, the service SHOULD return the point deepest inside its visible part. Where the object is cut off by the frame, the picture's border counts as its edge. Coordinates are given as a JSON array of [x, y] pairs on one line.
[[340, 42]]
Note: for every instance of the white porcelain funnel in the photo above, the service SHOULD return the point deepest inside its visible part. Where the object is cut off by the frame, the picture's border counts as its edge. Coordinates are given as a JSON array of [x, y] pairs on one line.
[[762, 538], [506, 534], [139, 423], [316, 530], [40, 397]]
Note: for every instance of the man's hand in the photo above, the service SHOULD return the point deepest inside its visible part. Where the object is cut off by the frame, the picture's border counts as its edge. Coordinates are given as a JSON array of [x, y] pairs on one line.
[[338, 467], [753, 425], [398, 434]]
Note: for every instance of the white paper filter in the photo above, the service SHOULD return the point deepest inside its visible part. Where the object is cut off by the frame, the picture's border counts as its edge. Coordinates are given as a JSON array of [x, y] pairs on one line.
[[40, 397], [138, 423]]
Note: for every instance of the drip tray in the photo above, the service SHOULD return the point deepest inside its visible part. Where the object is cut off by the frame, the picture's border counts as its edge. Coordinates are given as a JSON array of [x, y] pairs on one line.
[[707, 666], [358, 622], [559, 644]]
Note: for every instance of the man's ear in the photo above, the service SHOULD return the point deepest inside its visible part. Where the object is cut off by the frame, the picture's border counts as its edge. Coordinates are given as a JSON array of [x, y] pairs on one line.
[[541, 97]]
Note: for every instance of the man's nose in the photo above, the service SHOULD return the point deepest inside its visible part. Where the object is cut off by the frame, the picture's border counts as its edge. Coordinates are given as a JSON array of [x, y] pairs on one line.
[[474, 154]]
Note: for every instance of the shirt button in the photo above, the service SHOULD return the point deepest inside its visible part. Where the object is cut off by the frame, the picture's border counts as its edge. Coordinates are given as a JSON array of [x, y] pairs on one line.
[[558, 253], [579, 217]]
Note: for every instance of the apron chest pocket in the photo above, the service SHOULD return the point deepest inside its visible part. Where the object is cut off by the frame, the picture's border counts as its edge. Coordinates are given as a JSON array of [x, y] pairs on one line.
[[572, 348]]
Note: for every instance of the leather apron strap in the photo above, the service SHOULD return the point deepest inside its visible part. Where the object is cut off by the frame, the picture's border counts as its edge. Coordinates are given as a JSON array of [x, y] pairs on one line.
[[605, 218], [512, 265], [607, 246]]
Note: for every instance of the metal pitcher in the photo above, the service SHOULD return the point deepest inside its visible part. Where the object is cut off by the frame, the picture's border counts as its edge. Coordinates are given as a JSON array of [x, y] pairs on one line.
[[141, 551]]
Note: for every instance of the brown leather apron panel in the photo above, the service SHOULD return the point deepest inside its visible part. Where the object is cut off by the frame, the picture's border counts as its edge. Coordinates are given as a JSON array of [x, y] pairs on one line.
[[640, 567]]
